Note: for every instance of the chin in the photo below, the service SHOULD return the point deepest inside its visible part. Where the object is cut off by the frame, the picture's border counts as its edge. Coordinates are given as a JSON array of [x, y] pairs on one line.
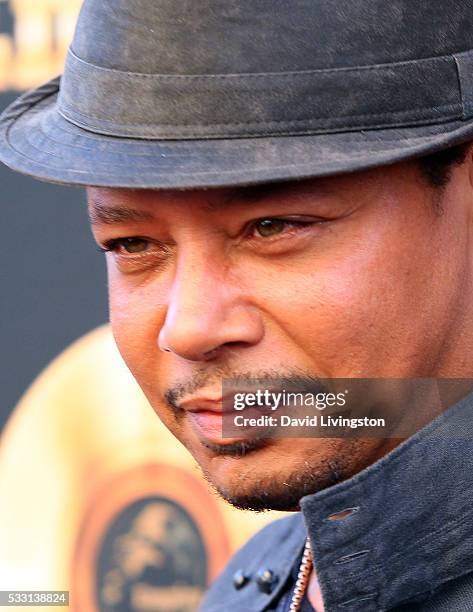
[[250, 485]]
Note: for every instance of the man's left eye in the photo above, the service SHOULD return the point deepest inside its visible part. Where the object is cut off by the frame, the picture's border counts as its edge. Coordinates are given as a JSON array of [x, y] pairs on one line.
[[266, 228]]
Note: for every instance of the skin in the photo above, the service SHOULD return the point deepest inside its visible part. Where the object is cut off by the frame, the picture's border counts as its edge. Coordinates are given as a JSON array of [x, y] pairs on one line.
[[375, 283]]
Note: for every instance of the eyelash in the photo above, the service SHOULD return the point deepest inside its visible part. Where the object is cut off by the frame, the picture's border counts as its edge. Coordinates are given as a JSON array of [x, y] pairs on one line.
[[289, 224], [110, 245]]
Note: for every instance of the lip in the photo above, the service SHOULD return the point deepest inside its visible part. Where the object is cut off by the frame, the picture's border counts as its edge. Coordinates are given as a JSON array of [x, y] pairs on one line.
[[208, 425], [216, 403], [206, 404], [207, 415]]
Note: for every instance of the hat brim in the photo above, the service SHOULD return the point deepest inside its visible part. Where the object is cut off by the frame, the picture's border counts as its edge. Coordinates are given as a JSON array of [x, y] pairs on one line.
[[36, 140]]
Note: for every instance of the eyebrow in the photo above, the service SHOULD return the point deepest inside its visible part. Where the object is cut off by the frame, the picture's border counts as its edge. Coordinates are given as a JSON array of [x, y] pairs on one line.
[[100, 214]]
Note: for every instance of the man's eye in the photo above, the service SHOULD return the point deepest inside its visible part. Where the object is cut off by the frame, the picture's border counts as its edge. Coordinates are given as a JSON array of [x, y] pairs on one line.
[[127, 245], [266, 228], [270, 227]]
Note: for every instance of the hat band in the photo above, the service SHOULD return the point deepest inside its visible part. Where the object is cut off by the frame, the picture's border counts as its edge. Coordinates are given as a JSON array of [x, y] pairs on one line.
[[160, 106]]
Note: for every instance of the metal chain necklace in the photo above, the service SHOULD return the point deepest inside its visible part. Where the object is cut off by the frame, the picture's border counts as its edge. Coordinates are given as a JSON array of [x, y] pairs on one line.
[[303, 576]]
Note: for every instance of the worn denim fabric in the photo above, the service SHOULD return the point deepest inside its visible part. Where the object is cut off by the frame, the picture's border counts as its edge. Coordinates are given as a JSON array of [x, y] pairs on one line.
[[407, 544], [179, 93]]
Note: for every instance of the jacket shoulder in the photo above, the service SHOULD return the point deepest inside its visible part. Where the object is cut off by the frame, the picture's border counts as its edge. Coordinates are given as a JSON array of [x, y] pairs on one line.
[[275, 547]]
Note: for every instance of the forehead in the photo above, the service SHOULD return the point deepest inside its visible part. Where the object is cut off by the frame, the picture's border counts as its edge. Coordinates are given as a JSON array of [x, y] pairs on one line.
[[229, 195], [243, 193]]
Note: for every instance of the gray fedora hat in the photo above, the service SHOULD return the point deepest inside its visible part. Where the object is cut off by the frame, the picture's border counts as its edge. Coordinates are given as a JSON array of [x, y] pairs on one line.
[[202, 93]]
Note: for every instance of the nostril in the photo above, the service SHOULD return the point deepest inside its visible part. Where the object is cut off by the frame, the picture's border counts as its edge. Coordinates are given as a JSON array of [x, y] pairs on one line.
[[343, 514]]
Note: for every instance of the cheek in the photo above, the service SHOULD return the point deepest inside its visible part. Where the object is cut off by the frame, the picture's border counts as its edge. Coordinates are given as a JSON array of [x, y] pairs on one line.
[[327, 313], [136, 316], [347, 309]]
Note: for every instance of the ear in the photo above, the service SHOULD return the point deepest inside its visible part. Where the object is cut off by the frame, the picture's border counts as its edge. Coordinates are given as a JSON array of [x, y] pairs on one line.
[[469, 162]]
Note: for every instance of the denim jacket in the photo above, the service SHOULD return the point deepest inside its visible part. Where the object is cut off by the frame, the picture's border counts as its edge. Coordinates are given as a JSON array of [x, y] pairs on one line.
[[405, 542]]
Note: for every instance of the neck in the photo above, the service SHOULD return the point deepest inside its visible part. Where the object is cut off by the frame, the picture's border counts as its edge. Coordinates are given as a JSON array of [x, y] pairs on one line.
[[315, 594]]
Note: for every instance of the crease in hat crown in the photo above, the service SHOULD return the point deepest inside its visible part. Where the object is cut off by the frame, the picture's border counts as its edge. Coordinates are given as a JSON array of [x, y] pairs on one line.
[[179, 93]]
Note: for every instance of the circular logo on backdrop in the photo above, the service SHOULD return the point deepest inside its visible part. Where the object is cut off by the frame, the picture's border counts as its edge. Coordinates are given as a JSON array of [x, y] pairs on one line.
[[152, 558], [151, 540]]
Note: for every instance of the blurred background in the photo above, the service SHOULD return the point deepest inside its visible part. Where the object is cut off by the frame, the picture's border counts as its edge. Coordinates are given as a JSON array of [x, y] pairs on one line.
[[96, 497], [52, 277]]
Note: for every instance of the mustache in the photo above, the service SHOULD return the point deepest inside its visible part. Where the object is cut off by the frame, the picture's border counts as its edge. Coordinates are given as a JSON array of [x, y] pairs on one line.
[[294, 379]]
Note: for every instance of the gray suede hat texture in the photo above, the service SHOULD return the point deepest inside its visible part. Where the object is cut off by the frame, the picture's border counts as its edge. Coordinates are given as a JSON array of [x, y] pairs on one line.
[[202, 93]]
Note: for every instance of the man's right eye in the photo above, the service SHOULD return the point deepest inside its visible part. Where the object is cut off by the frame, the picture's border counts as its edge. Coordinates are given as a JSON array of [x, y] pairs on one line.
[[131, 246]]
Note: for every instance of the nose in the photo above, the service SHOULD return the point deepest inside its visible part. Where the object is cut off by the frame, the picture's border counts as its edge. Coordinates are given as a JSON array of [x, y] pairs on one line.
[[206, 312]]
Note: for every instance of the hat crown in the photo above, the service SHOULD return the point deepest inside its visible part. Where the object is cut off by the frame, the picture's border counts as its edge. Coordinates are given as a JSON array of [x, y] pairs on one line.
[[220, 37], [175, 69]]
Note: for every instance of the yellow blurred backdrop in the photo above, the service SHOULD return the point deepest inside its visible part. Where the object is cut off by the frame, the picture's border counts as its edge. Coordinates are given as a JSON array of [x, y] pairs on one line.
[[34, 51]]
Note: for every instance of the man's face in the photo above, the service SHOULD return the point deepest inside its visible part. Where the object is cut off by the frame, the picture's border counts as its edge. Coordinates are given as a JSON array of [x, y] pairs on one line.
[[349, 276]]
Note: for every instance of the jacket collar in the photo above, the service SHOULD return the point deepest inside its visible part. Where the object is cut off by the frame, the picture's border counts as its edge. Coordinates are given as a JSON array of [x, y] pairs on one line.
[[409, 528], [276, 548]]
